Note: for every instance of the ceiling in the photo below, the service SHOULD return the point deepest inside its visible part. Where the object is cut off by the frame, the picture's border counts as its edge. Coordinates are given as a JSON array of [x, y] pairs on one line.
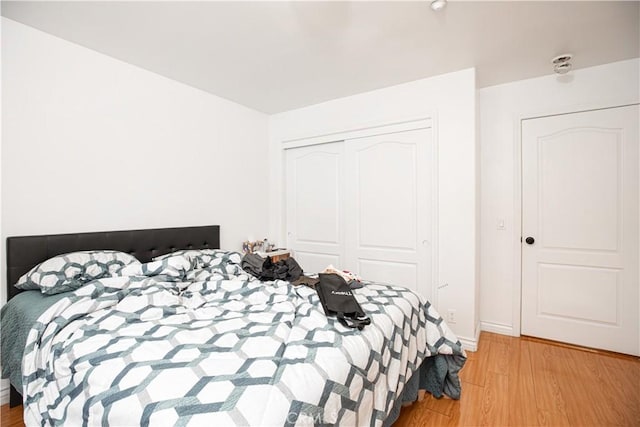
[[277, 56]]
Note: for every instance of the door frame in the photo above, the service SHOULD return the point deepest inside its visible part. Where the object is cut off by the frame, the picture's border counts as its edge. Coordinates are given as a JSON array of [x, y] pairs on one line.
[[374, 129], [517, 189]]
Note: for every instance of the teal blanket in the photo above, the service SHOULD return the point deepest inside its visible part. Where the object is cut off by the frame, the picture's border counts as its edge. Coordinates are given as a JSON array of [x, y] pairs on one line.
[[17, 317]]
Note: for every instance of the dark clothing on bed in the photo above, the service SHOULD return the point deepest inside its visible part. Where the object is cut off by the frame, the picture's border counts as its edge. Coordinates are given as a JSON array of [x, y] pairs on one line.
[[265, 269]]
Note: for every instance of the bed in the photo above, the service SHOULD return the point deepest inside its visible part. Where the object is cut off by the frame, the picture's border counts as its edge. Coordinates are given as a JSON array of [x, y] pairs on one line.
[[193, 339]]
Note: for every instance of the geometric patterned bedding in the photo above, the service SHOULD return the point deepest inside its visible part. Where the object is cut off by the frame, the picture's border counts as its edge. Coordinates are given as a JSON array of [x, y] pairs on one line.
[[214, 346]]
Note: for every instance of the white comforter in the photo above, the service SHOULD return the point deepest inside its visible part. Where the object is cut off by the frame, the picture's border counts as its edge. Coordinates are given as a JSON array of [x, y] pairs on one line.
[[217, 347]]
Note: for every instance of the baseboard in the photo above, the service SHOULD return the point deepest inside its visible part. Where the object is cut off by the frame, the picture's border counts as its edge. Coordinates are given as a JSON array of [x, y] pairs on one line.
[[497, 328], [471, 344], [4, 392]]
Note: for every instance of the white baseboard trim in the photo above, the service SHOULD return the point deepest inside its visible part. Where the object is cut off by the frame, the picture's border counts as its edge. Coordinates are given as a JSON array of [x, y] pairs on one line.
[[468, 344], [497, 328], [4, 394], [471, 344]]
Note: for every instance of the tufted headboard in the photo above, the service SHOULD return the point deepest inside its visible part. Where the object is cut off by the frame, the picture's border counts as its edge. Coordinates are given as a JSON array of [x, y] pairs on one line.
[[25, 252]]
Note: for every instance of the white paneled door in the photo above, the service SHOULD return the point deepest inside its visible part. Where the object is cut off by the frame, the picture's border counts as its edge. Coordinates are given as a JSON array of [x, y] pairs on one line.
[[580, 228], [388, 208], [314, 205]]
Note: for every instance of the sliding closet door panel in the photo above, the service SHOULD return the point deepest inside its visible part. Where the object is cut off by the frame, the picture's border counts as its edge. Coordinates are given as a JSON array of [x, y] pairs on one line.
[[312, 262], [392, 272], [317, 188], [314, 203], [388, 189]]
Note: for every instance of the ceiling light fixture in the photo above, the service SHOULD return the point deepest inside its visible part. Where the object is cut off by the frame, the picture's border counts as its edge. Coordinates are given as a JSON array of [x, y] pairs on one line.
[[562, 63], [438, 4]]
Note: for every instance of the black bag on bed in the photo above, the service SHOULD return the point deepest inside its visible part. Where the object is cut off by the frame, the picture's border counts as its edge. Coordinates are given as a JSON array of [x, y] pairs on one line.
[[265, 269], [337, 299]]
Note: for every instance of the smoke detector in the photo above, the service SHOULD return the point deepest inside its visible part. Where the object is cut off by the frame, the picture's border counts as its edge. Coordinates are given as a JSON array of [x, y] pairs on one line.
[[437, 5], [562, 63]]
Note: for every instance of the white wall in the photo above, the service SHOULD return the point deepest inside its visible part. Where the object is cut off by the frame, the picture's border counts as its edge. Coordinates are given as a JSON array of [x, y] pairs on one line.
[[501, 108], [448, 99], [92, 143]]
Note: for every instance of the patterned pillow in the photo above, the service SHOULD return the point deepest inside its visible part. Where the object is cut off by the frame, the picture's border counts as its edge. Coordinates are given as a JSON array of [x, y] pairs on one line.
[[70, 271], [203, 258], [175, 266]]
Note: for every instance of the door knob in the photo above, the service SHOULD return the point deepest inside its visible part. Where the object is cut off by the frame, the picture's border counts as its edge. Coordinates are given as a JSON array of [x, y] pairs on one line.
[[530, 240]]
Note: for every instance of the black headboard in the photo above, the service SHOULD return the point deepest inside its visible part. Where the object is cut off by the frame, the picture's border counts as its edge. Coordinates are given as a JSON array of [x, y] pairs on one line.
[[25, 252]]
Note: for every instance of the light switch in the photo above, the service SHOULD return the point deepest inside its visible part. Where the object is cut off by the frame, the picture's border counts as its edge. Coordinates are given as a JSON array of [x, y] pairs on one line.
[[500, 224]]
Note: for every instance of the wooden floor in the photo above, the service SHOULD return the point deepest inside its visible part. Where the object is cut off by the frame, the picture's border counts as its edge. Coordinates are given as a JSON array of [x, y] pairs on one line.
[[11, 417], [522, 382]]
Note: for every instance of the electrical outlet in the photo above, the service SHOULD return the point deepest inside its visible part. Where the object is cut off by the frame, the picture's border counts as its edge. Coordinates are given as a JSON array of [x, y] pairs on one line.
[[451, 316]]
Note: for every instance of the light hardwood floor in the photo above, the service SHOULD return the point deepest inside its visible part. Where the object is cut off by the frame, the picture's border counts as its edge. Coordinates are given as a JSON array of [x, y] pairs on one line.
[[522, 382]]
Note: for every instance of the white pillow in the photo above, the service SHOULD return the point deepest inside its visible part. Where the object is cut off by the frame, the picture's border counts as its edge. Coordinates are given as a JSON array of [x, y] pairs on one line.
[[203, 258]]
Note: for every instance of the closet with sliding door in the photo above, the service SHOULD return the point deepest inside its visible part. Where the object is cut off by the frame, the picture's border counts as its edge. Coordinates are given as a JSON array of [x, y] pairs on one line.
[[366, 204]]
